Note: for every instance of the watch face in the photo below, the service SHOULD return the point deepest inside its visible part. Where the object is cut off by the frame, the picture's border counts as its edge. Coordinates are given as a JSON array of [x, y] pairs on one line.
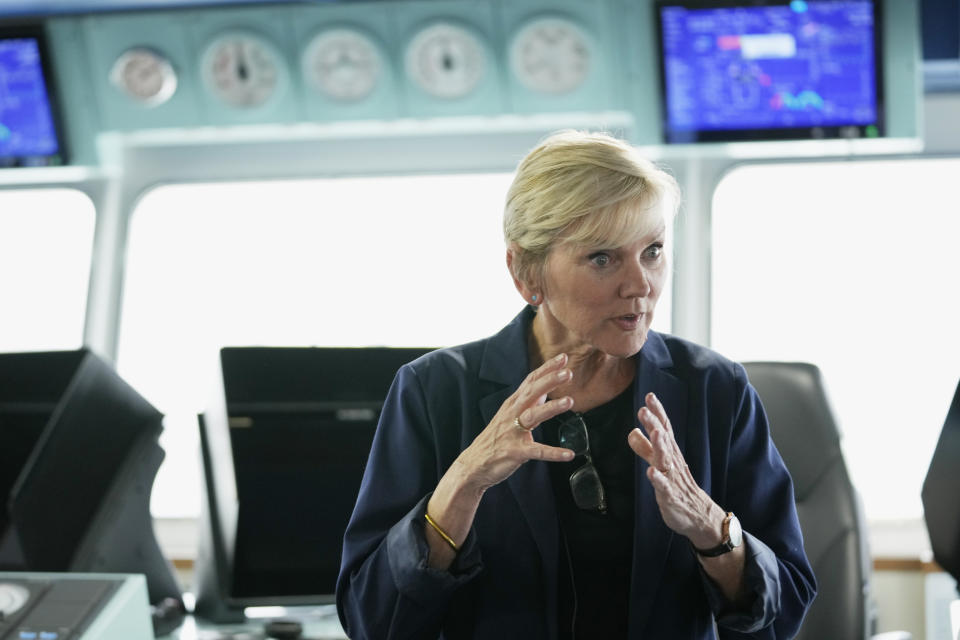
[[734, 532], [550, 55], [446, 60], [241, 69], [144, 75], [343, 64]]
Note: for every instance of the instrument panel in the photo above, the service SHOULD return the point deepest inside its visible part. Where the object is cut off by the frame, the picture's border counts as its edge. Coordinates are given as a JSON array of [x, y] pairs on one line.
[[74, 606], [367, 69], [333, 63]]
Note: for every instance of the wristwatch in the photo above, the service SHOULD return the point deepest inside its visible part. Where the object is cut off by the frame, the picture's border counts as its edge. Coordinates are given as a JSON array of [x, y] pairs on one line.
[[732, 538]]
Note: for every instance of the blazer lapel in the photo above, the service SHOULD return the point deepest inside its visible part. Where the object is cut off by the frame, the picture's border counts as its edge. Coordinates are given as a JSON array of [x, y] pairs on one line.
[[505, 362], [530, 485], [652, 538]]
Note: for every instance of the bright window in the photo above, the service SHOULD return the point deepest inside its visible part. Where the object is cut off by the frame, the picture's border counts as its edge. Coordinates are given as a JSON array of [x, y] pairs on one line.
[[46, 243], [853, 266], [396, 261]]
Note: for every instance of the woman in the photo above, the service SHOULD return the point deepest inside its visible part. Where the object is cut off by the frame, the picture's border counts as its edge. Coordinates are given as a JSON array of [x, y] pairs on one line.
[[576, 475]]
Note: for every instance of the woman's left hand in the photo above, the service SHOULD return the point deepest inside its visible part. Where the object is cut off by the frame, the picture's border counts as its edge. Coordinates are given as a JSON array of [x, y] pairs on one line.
[[685, 507]]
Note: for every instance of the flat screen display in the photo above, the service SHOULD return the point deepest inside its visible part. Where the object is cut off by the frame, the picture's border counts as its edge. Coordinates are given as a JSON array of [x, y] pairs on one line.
[[29, 135], [298, 427], [770, 70]]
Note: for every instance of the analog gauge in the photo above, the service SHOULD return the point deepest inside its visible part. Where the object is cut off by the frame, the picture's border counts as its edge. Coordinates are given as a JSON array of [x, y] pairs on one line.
[[145, 75], [550, 55], [342, 63], [446, 60], [241, 69]]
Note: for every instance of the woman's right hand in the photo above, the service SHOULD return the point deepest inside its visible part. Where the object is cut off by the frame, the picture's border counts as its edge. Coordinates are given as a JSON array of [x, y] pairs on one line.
[[507, 442], [494, 455]]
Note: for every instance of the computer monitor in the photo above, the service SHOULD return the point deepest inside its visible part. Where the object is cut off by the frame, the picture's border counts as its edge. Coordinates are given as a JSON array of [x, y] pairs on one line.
[[284, 445], [30, 131], [749, 70], [941, 493], [78, 455]]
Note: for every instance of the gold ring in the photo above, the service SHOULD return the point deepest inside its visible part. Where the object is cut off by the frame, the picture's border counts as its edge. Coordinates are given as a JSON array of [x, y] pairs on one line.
[[516, 423]]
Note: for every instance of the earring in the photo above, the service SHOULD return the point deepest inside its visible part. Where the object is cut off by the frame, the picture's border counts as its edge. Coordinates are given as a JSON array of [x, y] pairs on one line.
[[534, 298]]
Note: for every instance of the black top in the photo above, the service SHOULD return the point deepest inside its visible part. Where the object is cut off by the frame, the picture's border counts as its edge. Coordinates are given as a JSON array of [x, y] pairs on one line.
[[596, 549]]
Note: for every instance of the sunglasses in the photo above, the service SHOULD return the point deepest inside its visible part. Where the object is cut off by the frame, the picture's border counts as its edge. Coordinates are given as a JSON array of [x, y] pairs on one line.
[[585, 483]]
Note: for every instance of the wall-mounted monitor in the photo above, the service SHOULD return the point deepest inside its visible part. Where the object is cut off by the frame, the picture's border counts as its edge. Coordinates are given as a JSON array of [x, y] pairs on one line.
[[749, 70], [30, 135]]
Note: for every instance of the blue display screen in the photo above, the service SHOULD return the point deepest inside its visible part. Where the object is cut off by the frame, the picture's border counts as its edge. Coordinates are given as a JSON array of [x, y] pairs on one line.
[[28, 132], [770, 70]]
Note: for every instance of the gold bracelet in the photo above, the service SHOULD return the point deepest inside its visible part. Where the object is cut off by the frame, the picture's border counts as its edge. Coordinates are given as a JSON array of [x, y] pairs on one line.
[[443, 534]]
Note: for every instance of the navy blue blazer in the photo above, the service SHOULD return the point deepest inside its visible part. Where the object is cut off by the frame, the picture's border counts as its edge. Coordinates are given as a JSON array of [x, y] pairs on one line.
[[503, 583]]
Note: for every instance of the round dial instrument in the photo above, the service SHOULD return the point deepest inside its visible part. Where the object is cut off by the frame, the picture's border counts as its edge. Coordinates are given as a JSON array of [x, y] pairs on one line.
[[550, 55], [446, 60], [145, 75], [342, 63], [241, 69], [12, 598]]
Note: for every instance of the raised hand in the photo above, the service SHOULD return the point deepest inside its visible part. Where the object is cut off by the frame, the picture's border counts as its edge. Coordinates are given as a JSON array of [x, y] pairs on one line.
[[507, 442], [685, 507], [499, 450]]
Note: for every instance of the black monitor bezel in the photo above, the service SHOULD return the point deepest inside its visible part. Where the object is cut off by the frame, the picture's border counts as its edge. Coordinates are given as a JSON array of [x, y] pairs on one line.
[[36, 30], [852, 131], [260, 381]]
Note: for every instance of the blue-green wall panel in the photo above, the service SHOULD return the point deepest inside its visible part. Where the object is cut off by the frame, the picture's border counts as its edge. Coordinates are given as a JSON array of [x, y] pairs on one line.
[[73, 90], [902, 61], [108, 36], [478, 17], [640, 73], [595, 93], [272, 24], [376, 23]]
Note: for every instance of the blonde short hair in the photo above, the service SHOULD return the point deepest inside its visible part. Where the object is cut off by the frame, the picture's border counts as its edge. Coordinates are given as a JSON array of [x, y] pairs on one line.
[[582, 188]]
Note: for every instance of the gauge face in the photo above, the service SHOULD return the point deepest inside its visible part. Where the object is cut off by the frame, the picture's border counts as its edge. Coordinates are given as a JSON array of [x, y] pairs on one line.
[[241, 69], [343, 64], [550, 55], [12, 597], [446, 60], [145, 75]]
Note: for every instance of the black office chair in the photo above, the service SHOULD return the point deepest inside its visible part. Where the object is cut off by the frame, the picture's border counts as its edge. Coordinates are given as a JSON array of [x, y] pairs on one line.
[[831, 517]]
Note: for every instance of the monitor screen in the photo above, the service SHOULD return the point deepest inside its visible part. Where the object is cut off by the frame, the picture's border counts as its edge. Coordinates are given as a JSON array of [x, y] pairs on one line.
[[770, 69], [298, 475], [283, 461], [29, 131]]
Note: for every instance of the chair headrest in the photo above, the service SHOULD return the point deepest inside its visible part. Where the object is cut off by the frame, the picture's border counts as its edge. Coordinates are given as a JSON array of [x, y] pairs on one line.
[[802, 423]]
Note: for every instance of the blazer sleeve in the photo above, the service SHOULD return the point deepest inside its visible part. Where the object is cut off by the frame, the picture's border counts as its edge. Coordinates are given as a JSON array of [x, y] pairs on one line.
[[385, 588], [778, 577]]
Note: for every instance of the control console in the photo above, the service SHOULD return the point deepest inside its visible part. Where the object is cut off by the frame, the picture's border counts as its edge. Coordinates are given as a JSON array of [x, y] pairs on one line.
[[74, 606]]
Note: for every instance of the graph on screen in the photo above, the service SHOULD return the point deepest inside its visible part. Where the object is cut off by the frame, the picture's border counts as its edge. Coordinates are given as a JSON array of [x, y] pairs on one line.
[[785, 70], [28, 134]]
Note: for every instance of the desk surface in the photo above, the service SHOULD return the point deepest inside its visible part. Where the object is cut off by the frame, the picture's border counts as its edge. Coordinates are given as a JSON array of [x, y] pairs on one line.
[[319, 623]]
